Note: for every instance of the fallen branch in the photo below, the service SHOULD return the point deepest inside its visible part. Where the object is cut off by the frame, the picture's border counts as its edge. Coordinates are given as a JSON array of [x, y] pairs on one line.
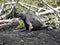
[[9, 20], [45, 12], [9, 23], [22, 4], [8, 14], [28, 6], [48, 5], [44, 1]]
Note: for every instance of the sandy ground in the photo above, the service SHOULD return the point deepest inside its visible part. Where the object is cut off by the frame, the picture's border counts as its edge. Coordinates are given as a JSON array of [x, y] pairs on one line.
[[40, 37]]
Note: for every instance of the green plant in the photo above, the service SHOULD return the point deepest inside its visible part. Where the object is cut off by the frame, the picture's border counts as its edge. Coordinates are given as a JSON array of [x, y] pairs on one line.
[[1, 1], [52, 21], [21, 24]]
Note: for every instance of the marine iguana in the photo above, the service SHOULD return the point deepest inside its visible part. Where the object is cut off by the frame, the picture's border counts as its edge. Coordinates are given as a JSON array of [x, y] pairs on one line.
[[31, 21]]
